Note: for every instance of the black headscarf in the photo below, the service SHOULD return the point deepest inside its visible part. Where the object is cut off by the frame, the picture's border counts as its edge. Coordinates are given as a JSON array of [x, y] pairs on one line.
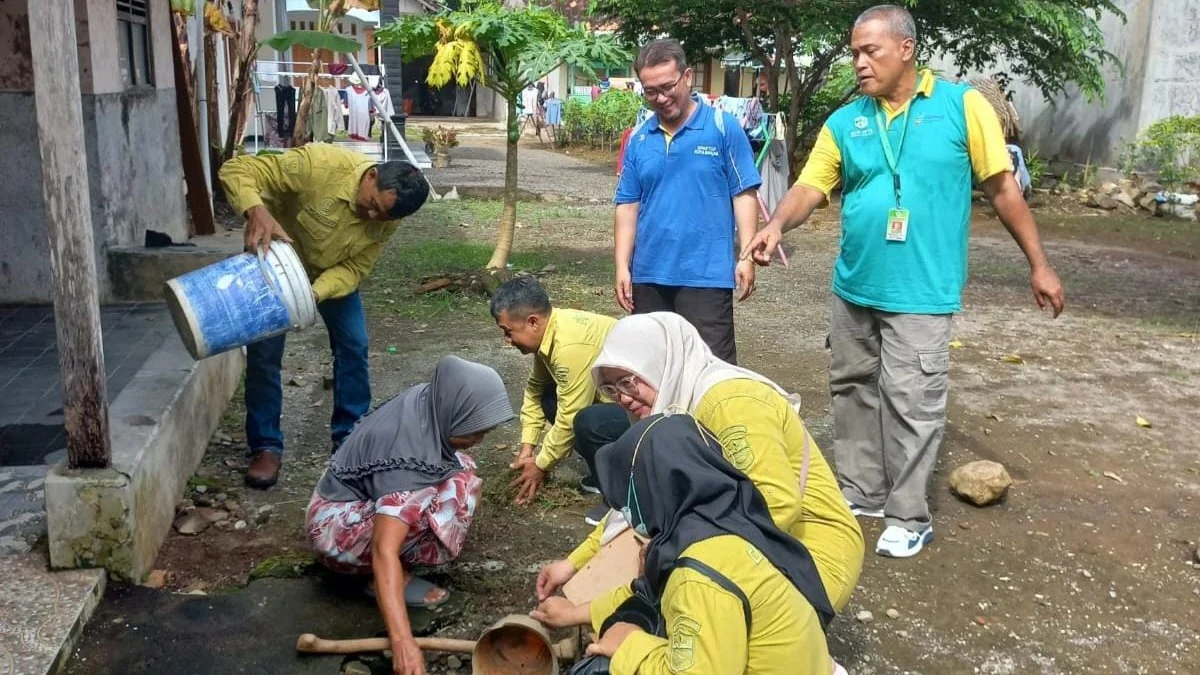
[[687, 492]]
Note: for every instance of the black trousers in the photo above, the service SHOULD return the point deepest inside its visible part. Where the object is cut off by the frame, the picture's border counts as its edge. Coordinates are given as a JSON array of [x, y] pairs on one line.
[[595, 427], [710, 310]]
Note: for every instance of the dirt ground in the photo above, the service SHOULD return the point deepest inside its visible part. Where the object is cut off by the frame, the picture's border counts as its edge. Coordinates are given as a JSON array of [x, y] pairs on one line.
[[1087, 567]]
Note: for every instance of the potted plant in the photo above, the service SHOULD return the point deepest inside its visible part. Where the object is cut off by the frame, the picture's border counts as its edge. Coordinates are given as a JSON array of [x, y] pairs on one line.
[[441, 140]]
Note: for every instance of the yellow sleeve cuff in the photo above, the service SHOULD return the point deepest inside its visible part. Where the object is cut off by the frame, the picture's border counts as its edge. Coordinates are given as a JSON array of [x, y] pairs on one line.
[[633, 651], [545, 460], [531, 433], [603, 606], [589, 548]]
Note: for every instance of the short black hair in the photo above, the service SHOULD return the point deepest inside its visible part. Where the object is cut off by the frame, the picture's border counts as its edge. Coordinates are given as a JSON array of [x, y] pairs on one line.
[[520, 297], [658, 52], [407, 182]]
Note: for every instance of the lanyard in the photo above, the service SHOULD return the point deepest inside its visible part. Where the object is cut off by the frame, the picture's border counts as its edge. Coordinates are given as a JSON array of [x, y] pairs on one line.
[[893, 160]]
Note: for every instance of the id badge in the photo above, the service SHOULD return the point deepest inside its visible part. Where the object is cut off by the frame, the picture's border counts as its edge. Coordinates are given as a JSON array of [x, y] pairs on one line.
[[897, 225]]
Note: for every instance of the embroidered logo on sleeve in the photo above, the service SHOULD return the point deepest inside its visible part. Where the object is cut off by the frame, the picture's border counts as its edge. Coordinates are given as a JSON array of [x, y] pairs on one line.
[[562, 375], [737, 447], [682, 654]]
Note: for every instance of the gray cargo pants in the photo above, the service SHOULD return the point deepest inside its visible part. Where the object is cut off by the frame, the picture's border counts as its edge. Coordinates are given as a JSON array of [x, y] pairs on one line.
[[889, 377]]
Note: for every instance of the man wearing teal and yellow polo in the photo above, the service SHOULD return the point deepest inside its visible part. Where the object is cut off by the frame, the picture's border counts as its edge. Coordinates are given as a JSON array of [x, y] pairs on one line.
[[906, 155]]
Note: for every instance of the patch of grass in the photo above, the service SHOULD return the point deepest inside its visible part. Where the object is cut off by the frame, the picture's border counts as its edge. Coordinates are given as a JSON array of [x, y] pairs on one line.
[[1173, 236], [283, 566], [456, 237]]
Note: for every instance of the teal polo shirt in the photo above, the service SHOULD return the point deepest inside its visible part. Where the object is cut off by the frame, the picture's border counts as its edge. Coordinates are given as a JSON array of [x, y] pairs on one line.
[[924, 274], [684, 192]]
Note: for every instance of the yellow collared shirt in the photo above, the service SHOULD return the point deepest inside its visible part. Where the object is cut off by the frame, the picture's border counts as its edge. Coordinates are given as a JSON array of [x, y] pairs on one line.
[[312, 191], [706, 628], [571, 343], [764, 438]]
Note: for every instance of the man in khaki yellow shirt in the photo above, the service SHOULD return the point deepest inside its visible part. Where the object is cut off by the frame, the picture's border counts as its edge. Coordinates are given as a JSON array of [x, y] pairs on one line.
[[337, 208], [564, 343]]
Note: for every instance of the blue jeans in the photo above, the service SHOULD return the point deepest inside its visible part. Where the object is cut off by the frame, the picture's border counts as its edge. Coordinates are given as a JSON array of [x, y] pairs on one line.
[[347, 326]]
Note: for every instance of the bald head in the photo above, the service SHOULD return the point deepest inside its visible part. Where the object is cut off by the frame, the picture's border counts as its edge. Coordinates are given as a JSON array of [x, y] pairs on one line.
[[899, 22]]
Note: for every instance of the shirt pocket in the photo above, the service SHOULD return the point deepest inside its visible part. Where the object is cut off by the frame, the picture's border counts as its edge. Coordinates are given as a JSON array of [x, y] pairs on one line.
[[320, 218]]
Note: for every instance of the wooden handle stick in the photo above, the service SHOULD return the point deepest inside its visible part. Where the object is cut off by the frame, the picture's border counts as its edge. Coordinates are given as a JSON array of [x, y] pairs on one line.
[[311, 644]]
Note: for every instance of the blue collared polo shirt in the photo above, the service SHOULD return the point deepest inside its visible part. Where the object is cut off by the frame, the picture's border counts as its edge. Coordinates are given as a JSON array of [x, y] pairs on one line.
[[684, 190]]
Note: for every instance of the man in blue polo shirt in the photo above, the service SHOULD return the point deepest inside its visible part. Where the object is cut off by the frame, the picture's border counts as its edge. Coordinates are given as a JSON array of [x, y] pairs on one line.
[[687, 181], [906, 155]]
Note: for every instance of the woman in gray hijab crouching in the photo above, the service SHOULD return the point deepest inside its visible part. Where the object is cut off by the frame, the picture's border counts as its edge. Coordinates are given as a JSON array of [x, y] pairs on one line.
[[399, 492]]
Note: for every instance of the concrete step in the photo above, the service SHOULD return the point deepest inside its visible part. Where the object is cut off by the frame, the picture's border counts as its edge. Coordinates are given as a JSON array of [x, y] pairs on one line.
[[44, 612]]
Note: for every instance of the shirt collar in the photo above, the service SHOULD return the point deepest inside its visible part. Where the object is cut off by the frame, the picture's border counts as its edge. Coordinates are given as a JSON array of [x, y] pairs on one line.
[[693, 122], [348, 190], [548, 336], [925, 82]]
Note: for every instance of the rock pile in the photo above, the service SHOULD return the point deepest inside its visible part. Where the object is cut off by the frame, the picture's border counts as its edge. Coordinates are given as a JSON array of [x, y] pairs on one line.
[[1135, 195]]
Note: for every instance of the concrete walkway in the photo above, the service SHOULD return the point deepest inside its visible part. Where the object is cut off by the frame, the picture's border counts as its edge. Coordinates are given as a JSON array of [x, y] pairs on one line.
[[479, 162]]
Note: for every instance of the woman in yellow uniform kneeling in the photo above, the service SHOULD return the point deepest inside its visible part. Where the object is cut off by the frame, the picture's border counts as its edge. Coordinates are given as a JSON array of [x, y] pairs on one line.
[[655, 362], [722, 590]]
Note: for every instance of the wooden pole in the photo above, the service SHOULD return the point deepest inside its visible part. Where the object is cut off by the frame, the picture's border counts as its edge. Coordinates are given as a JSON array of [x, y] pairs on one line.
[[199, 201], [55, 60]]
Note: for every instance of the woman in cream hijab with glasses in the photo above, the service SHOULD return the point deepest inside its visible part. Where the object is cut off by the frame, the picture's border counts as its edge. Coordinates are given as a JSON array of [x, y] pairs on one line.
[[657, 362]]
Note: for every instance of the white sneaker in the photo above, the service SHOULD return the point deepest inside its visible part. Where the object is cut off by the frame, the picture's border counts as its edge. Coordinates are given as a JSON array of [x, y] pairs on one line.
[[864, 511], [838, 669], [897, 542]]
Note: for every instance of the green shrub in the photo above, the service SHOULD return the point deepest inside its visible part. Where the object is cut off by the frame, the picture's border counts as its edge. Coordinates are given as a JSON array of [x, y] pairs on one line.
[[1169, 149], [599, 123]]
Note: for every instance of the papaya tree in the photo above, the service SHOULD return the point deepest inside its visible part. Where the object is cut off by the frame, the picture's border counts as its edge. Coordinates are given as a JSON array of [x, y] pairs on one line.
[[505, 48]]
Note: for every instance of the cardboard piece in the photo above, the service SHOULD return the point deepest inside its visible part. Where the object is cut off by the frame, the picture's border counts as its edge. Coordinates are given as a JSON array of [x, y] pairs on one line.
[[615, 565]]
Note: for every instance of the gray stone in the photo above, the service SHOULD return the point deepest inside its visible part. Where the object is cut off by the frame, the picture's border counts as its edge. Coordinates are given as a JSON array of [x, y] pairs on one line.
[[981, 483], [193, 522], [893, 613], [201, 488], [454, 662], [1108, 188], [864, 617], [239, 525], [1105, 202], [356, 668], [1125, 199]]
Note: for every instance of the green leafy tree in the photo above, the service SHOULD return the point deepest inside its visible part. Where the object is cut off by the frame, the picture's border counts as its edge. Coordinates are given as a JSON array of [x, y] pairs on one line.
[[1050, 44], [505, 49]]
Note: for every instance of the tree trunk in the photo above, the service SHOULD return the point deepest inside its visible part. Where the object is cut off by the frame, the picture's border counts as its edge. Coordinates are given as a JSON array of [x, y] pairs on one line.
[[214, 118], [247, 47], [300, 133], [508, 215]]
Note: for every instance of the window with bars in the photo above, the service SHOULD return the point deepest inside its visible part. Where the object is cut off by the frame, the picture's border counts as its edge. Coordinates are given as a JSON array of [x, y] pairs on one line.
[[133, 43]]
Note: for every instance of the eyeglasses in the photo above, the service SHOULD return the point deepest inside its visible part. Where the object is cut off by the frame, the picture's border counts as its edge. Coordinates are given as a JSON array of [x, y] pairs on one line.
[[626, 385], [651, 93]]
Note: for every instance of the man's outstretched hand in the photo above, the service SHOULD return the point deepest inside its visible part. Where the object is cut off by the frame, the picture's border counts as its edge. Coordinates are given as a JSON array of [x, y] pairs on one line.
[[762, 248], [261, 228]]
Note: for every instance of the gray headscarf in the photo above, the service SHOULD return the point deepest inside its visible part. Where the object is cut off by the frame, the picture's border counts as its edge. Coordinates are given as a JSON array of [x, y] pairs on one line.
[[404, 444]]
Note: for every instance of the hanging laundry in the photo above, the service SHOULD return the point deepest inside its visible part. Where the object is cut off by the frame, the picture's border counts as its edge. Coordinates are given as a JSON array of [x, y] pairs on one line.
[[333, 102], [285, 109], [318, 117], [553, 111], [358, 101]]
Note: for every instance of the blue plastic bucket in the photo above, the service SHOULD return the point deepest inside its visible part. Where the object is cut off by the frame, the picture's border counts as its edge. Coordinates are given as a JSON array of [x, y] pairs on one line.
[[241, 300]]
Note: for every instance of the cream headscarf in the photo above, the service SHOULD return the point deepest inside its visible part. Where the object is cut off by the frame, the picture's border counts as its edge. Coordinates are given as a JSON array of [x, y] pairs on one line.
[[667, 352]]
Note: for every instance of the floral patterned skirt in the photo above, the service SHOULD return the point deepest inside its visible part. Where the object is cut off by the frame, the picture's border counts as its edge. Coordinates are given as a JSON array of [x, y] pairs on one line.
[[437, 517]]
